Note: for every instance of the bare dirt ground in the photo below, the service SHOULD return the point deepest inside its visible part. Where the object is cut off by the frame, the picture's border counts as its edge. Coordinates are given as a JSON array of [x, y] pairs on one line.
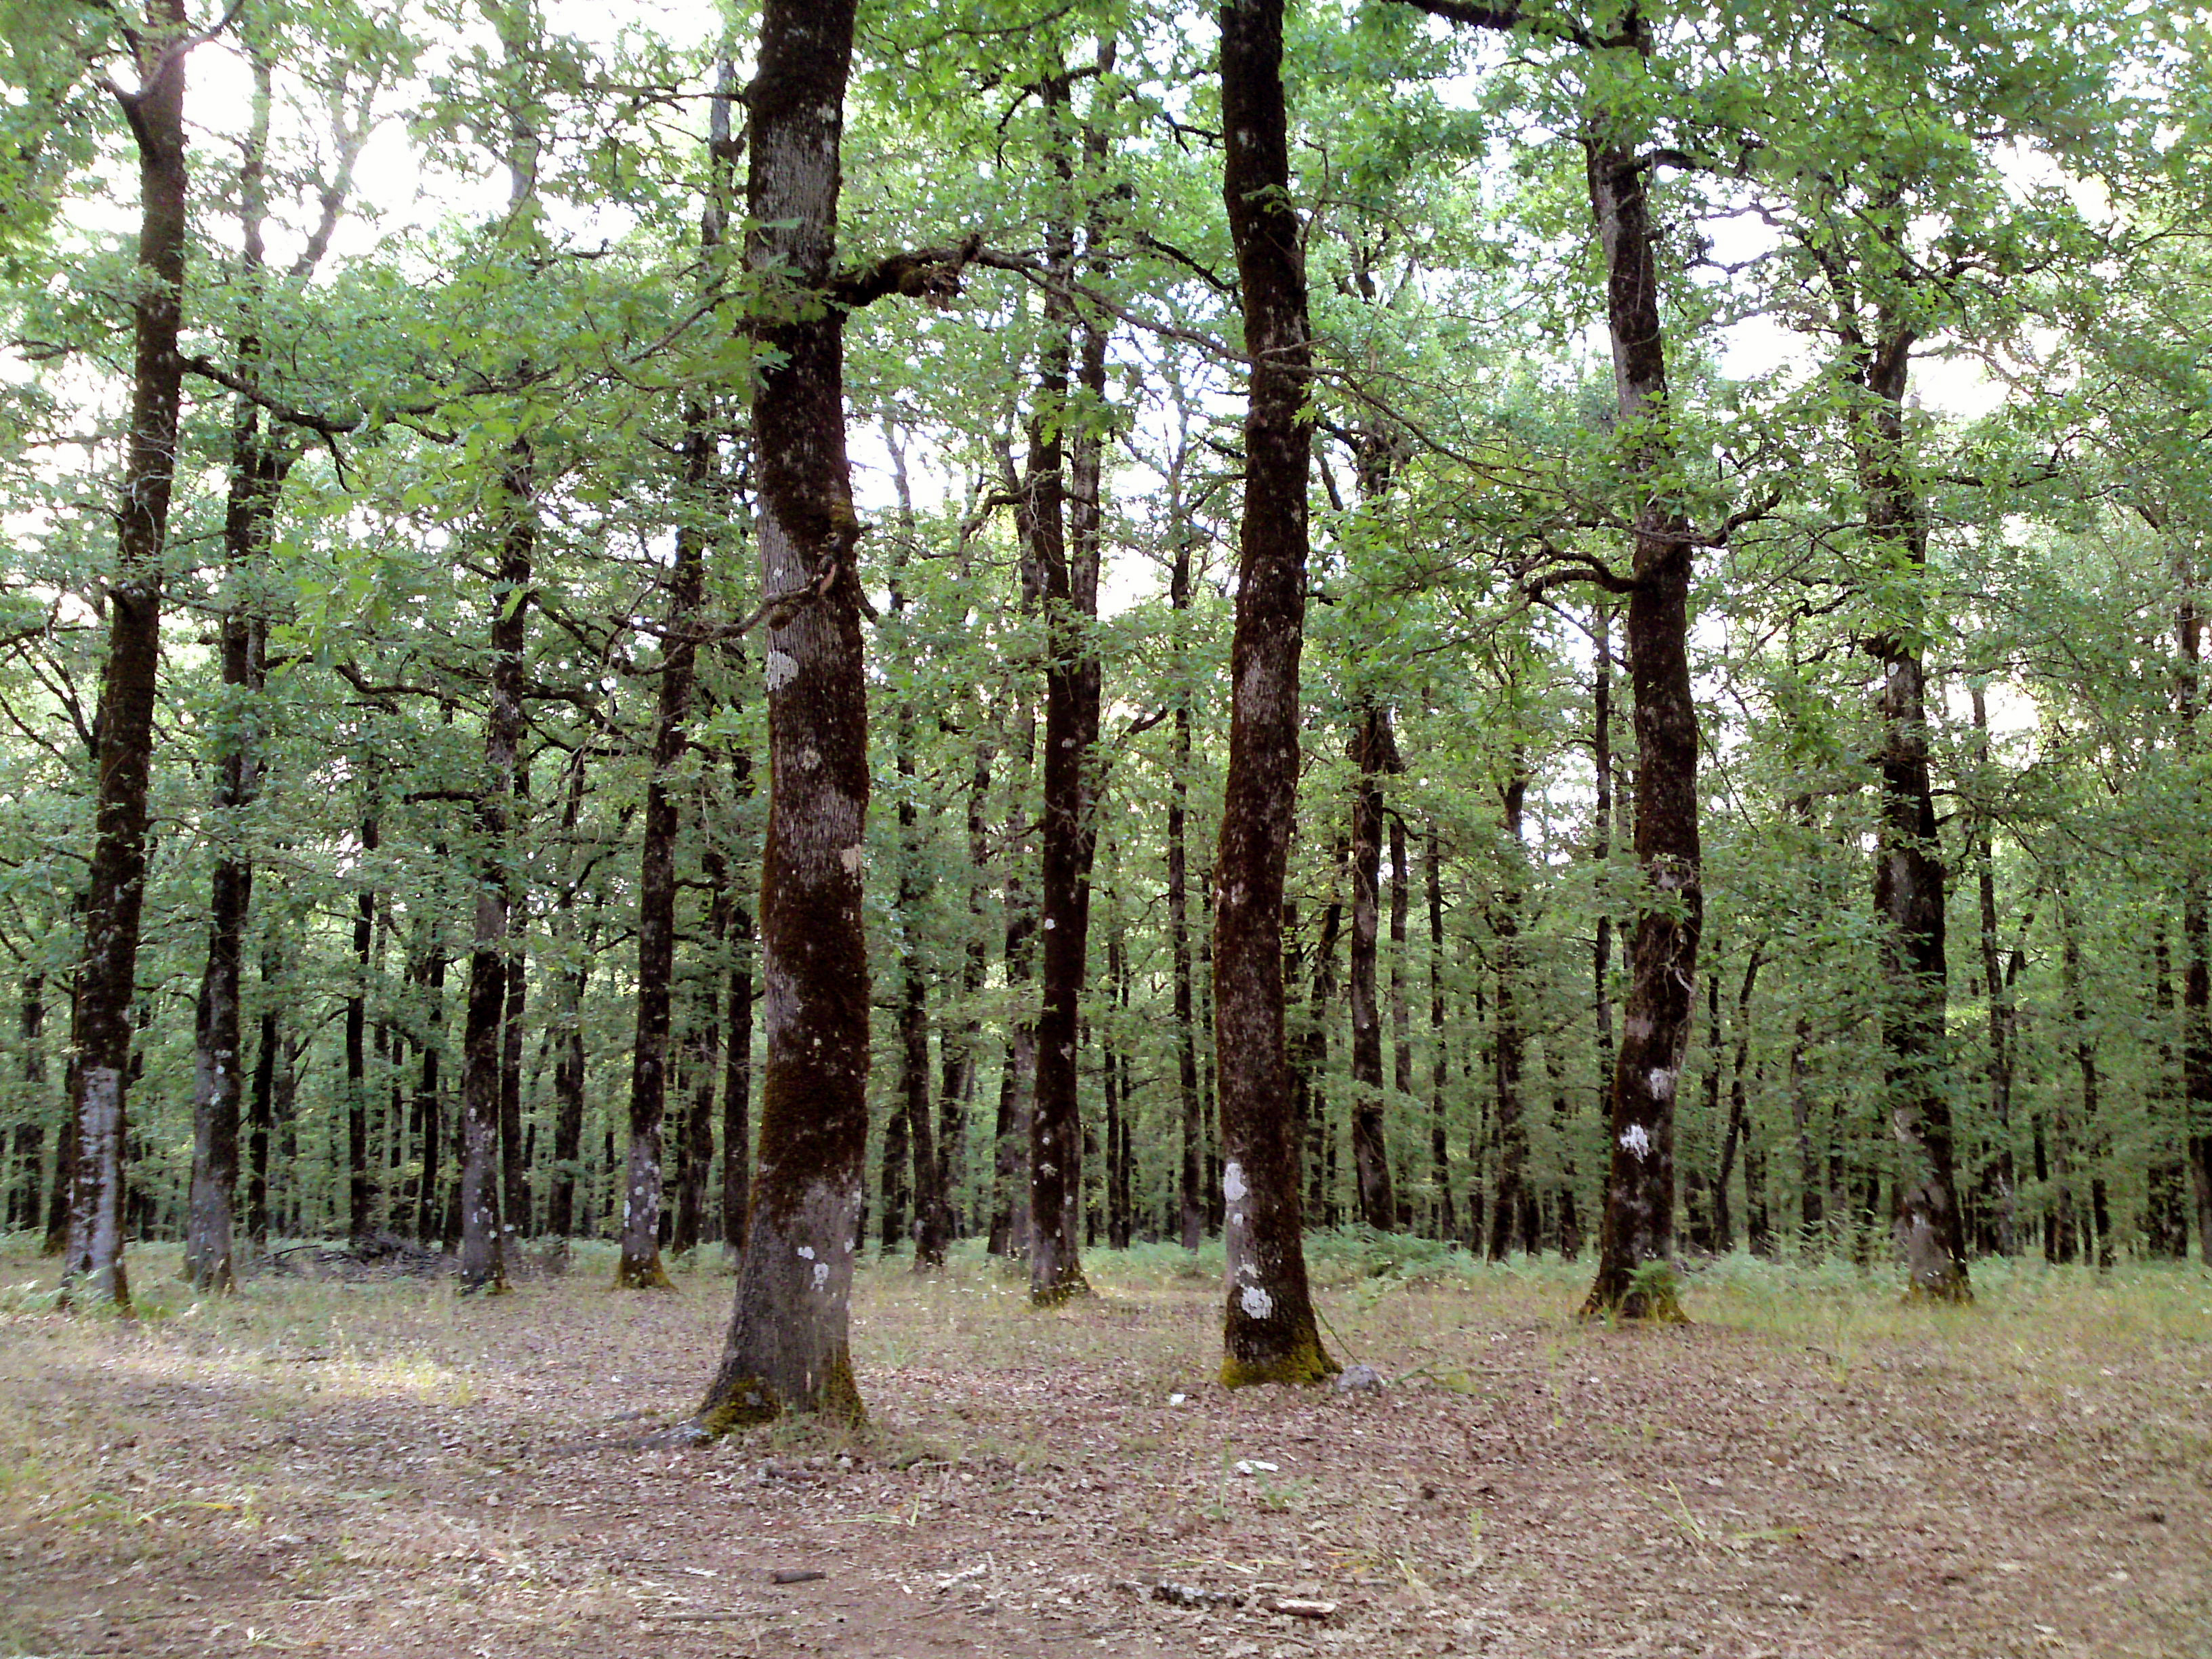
[[378, 1469]]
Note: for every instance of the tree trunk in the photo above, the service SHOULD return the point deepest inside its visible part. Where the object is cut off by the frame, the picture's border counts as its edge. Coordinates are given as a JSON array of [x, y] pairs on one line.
[[1374, 752], [2001, 1177], [24, 1209], [788, 1348], [695, 1140], [1513, 1210], [738, 1087], [1190, 1194], [1269, 1332], [361, 1191], [2195, 943], [1638, 1230], [1447, 1226], [1064, 527], [931, 1224], [962, 1038], [93, 1265], [1401, 1017], [514, 1145], [1309, 1056], [1908, 876]]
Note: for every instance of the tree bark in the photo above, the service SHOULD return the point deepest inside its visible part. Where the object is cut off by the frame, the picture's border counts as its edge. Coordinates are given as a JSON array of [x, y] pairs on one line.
[[788, 1348], [1190, 1194], [25, 1208], [361, 1190], [1909, 877], [1637, 1228], [2196, 942], [1513, 1216], [1374, 753], [1269, 1331], [1447, 1225], [93, 1266], [1063, 522]]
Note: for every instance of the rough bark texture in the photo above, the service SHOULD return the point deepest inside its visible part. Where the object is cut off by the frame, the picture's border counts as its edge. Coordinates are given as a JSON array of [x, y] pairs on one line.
[[1269, 1331], [787, 1349], [1062, 518], [1637, 1235], [2196, 944], [931, 1222], [361, 1189], [1446, 1220], [1909, 874], [93, 1261], [1513, 1212], [1999, 1180], [1374, 755], [1190, 1194], [639, 1267], [483, 1257]]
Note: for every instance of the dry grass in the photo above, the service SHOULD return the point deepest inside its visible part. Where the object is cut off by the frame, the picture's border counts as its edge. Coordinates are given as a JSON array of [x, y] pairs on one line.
[[1808, 1469]]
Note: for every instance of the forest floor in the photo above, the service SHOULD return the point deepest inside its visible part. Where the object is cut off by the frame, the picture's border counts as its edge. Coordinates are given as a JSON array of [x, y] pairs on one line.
[[377, 1467]]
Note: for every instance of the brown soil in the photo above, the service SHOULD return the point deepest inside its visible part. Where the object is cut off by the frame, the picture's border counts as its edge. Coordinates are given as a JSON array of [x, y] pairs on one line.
[[374, 1468]]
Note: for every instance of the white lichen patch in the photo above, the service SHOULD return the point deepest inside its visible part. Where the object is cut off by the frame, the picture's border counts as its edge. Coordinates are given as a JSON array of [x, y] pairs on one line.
[[1663, 1083], [1255, 1302], [806, 1252], [1635, 1142], [850, 858], [821, 1275], [782, 668], [1232, 1181]]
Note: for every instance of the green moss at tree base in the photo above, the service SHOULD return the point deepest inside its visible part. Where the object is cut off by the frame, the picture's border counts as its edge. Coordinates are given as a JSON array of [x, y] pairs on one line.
[[648, 1275], [1305, 1362], [1055, 1295], [1639, 1307], [1952, 1291], [749, 1402]]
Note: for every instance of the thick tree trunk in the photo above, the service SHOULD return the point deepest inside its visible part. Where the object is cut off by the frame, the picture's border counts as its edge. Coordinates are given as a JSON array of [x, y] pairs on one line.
[[1269, 1331], [1374, 753], [1601, 847], [787, 1348], [93, 1265], [1638, 1230]]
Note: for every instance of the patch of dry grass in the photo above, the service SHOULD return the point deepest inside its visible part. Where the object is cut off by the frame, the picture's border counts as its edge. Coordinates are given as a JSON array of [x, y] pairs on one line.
[[1811, 1468]]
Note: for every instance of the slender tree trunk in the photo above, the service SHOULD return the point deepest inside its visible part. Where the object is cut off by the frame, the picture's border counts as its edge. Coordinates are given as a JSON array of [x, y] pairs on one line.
[[1447, 1226], [738, 1087], [1638, 1224], [1064, 525], [962, 1038], [789, 1347], [24, 1206], [1309, 1055], [2001, 1174], [931, 1222], [2196, 938], [1908, 876], [1513, 1212], [361, 1191], [1190, 1194], [513, 1146], [1401, 1017], [1269, 1331], [695, 1140], [1009, 1219], [1374, 753], [261, 1118], [1739, 1123], [1601, 847], [107, 982]]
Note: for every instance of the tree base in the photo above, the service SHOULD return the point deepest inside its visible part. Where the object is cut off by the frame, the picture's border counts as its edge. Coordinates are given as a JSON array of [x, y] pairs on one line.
[[647, 1275], [749, 1402], [1948, 1290], [1055, 1295], [1638, 1307], [1305, 1364]]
